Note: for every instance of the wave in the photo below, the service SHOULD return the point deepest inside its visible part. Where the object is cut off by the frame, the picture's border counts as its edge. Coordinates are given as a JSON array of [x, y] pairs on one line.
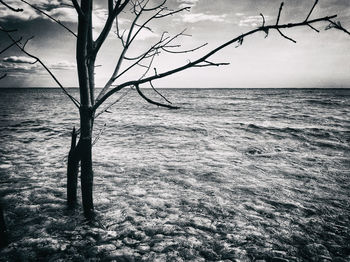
[[328, 102]]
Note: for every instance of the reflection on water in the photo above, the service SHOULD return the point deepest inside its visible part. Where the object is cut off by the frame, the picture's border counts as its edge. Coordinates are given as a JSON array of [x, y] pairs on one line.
[[234, 174]]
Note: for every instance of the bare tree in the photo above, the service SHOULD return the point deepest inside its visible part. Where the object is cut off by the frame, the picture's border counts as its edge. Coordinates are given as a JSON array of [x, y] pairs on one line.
[[87, 50]]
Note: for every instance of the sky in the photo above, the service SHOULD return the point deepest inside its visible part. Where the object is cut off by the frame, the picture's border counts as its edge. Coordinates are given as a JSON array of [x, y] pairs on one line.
[[317, 59]]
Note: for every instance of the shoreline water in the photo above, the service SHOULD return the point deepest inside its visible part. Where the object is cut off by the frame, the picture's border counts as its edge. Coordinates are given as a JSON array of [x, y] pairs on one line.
[[241, 174]]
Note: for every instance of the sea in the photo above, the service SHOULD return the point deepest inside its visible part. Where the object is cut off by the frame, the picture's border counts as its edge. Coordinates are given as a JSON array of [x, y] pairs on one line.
[[233, 175]]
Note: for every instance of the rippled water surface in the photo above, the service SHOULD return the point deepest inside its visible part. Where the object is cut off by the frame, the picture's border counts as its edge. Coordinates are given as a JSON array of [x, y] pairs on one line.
[[235, 174]]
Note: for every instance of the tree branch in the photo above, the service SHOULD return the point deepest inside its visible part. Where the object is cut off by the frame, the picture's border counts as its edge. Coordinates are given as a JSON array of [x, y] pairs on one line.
[[13, 43], [126, 45], [156, 7], [263, 17], [286, 37], [205, 57], [279, 13], [108, 25], [77, 8], [337, 26], [173, 12], [155, 90], [137, 86], [146, 54], [10, 7], [184, 51], [312, 9], [207, 63], [105, 110], [131, 37], [313, 28]]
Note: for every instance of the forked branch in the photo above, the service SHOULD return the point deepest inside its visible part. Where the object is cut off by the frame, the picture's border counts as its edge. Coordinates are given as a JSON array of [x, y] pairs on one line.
[[138, 8], [137, 86], [113, 13]]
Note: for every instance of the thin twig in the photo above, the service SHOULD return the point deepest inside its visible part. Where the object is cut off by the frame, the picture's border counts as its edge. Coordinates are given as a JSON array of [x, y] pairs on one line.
[[150, 82], [313, 28], [286, 37], [279, 13], [184, 51], [263, 19], [149, 66], [105, 110], [99, 134], [312, 9], [207, 63]]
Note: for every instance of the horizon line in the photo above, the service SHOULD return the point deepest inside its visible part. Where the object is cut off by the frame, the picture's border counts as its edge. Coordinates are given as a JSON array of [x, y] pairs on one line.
[[290, 87]]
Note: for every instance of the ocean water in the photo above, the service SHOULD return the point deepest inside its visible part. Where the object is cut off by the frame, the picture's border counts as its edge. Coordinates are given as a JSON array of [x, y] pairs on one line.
[[235, 174]]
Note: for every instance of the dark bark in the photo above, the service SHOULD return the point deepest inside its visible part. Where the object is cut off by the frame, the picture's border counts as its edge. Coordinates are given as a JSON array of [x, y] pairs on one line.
[[85, 63], [86, 122], [72, 172], [3, 229]]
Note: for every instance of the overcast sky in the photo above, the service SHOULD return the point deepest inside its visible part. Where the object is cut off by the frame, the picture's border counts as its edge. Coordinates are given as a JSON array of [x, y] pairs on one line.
[[316, 60]]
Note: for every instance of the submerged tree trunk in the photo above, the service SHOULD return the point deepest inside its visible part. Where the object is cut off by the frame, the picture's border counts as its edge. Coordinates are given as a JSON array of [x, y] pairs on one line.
[[86, 122], [3, 229], [85, 63], [72, 172]]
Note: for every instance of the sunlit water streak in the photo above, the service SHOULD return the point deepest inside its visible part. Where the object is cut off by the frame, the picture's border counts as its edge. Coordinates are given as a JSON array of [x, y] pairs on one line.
[[241, 174]]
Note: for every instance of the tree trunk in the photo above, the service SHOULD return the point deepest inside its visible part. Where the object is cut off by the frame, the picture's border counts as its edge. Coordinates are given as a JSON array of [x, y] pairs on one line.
[[85, 63], [85, 152], [72, 172], [3, 230]]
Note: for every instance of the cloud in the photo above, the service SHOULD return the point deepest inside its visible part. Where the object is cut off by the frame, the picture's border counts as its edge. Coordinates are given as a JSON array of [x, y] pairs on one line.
[[99, 17], [187, 3], [18, 64], [22, 64], [63, 14], [64, 65], [199, 17], [251, 21], [18, 59]]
